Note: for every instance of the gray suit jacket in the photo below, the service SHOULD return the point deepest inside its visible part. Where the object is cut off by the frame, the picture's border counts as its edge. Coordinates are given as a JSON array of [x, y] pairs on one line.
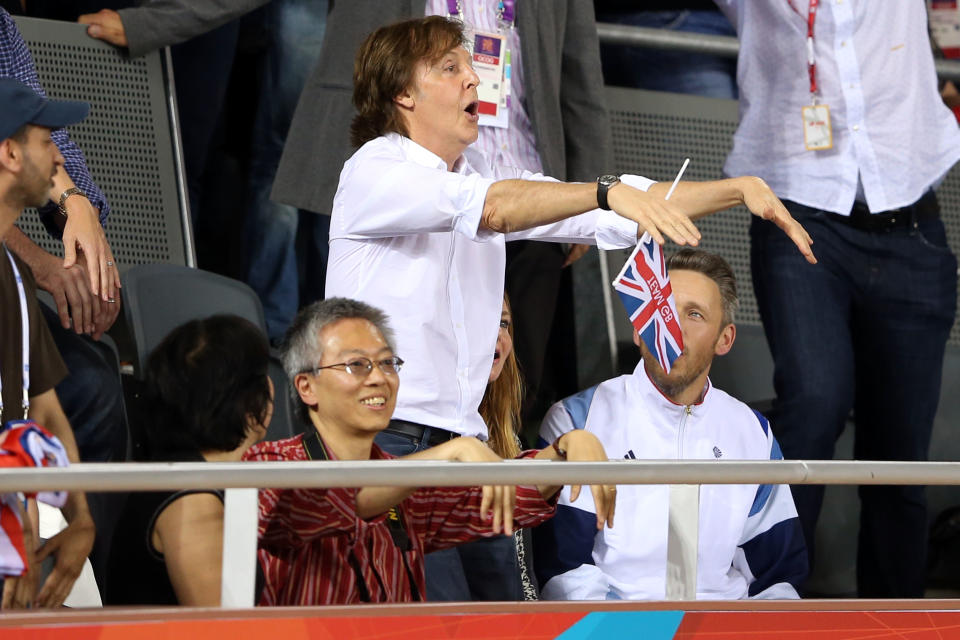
[[564, 94], [162, 23]]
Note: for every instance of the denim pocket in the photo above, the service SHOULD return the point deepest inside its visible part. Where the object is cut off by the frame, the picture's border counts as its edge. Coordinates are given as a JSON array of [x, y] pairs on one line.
[[933, 235]]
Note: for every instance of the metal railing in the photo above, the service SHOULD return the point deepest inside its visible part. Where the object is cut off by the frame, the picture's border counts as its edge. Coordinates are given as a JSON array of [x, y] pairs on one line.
[[704, 43], [241, 481], [214, 475]]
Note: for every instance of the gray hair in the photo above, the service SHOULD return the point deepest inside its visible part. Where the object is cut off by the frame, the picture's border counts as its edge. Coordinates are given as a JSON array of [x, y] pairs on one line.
[[301, 350]]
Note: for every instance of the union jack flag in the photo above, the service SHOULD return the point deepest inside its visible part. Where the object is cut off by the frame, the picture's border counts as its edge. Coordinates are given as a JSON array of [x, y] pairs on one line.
[[644, 288]]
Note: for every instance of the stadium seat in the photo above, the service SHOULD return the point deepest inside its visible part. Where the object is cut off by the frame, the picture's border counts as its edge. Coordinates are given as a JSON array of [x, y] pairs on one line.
[[160, 297]]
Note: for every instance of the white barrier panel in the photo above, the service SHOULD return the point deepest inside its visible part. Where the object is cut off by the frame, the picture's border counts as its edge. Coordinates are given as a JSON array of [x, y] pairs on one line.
[[683, 532], [238, 574]]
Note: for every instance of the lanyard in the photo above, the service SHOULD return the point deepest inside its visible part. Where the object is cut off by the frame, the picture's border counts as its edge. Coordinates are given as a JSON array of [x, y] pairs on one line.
[[24, 335], [811, 61], [506, 11]]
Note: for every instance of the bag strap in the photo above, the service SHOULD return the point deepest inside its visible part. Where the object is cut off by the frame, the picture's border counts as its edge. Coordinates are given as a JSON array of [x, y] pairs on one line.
[[314, 448]]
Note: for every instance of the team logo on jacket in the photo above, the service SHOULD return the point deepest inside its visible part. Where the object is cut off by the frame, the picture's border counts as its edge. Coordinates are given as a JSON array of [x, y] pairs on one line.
[[716, 452]]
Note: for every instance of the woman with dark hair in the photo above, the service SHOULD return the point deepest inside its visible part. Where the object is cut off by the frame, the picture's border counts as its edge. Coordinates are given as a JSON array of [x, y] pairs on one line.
[[207, 398]]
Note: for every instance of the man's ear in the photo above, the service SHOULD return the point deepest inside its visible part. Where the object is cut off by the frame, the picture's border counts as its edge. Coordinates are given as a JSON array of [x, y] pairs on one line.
[[636, 337], [11, 155], [404, 99], [301, 382], [725, 342]]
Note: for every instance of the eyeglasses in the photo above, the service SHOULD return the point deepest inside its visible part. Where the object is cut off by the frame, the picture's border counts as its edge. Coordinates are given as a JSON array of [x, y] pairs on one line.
[[361, 367]]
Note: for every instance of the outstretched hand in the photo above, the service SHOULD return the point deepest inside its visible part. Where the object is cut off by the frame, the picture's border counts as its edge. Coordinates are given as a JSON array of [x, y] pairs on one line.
[[653, 215], [762, 202]]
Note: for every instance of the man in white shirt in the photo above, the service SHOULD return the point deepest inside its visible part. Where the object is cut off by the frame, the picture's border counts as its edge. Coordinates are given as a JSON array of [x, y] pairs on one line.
[[420, 220], [750, 544], [864, 329]]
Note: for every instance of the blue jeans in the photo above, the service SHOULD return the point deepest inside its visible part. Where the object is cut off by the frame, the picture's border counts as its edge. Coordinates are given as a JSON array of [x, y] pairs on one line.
[[676, 71], [296, 30], [864, 329], [485, 569], [91, 395], [201, 69]]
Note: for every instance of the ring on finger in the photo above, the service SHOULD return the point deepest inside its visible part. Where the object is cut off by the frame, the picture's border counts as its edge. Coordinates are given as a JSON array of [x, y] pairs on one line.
[[109, 263], [112, 300]]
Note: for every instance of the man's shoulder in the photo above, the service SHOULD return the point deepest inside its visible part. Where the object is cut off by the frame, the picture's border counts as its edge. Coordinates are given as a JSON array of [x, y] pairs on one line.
[[737, 413], [385, 146], [277, 450], [577, 406], [388, 148]]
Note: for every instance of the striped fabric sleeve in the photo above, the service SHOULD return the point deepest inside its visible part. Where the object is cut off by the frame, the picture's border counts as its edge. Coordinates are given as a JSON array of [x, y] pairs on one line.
[[772, 553], [447, 516], [16, 62], [294, 517]]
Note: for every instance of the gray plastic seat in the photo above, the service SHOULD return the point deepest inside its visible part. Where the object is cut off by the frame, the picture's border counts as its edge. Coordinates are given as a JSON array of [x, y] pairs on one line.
[[160, 297]]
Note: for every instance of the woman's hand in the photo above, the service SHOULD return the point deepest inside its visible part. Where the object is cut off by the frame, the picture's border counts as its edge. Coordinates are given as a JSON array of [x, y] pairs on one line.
[[499, 499]]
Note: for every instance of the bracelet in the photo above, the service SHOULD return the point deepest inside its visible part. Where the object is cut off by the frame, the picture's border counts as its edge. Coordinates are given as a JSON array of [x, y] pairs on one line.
[[72, 191], [556, 447]]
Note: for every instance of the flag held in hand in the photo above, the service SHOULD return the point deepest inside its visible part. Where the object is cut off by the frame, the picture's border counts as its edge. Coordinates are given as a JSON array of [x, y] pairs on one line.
[[644, 288]]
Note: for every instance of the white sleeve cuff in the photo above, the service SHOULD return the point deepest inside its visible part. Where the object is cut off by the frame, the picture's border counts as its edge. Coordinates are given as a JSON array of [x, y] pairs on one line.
[[464, 198], [613, 230]]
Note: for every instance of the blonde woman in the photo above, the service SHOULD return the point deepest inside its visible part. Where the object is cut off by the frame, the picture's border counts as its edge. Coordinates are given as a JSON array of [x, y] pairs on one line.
[[503, 568]]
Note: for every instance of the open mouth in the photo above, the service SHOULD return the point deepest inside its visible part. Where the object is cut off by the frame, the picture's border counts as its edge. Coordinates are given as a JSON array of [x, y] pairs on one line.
[[473, 108], [376, 402], [496, 357]]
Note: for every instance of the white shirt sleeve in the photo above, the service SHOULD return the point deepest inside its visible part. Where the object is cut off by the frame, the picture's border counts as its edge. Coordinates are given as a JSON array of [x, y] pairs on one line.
[[383, 196]]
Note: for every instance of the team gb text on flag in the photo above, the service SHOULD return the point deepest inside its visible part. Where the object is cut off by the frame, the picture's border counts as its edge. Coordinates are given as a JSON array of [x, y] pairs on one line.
[[644, 288]]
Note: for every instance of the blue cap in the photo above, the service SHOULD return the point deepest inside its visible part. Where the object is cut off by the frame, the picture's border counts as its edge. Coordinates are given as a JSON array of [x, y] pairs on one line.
[[22, 105]]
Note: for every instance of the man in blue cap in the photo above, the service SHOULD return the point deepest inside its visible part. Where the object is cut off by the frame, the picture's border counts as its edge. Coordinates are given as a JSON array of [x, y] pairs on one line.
[[30, 366]]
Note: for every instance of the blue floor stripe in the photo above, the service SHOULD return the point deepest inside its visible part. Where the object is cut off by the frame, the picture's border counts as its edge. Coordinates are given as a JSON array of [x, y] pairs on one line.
[[649, 625]]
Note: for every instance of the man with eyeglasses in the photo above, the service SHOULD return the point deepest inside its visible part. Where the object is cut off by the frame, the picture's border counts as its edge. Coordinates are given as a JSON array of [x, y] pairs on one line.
[[349, 545]]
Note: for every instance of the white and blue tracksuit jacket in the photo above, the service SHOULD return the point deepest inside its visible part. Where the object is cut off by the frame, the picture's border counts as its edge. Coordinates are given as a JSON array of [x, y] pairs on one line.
[[750, 542]]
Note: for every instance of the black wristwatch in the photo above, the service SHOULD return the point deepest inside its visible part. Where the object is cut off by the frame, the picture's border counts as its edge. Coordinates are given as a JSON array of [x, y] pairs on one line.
[[603, 186]]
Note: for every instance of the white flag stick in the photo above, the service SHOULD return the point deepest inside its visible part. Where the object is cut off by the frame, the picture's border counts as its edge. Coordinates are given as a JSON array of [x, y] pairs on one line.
[[677, 179]]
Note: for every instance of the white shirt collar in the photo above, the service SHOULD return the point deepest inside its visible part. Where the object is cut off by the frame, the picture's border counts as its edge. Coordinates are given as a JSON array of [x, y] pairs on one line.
[[644, 385]]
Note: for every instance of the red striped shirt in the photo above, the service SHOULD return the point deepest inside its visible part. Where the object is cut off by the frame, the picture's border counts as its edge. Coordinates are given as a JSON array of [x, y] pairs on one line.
[[307, 535]]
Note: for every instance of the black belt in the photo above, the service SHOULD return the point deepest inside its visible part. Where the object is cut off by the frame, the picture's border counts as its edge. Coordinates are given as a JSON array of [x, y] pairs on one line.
[[926, 208], [415, 431]]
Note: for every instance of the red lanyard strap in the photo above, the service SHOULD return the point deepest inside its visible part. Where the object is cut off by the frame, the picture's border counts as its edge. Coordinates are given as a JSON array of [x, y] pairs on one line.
[[811, 60]]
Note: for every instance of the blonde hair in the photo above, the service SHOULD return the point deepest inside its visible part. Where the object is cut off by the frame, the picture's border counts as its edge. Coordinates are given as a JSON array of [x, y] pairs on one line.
[[500, 407]]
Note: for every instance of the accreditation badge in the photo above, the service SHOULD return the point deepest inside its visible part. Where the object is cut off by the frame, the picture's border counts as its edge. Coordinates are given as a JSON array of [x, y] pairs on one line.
[[944, 21], [817, 133], [491, 60]]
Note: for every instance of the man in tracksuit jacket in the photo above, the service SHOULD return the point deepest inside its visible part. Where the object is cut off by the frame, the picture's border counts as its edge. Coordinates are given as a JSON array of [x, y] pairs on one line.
[[750, 541]]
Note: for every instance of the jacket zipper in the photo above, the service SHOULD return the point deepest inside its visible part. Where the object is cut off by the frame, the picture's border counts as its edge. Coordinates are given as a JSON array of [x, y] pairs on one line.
[[687, 410]]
